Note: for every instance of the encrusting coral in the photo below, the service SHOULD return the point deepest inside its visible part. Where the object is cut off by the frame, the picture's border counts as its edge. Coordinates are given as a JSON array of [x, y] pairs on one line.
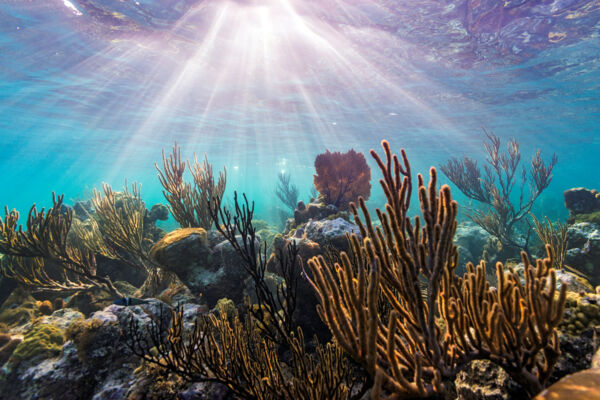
[[342, 177], [424, 339], [42, 340], [187, 202]]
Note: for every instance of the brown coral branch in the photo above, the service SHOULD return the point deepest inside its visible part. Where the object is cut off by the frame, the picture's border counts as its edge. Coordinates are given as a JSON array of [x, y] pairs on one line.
[[495, 187], [120, 218], [427, 339], [187, 203], [47, 237]]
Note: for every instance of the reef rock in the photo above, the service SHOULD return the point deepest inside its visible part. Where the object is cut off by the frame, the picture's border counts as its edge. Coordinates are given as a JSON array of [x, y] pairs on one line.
[[471, 241], [207, 264], [575, 283], [330, 232], [584, 252], [582, 201], [176, 245], [316, 209], [93, 363], [158, 212], [575, 353], [482, 379]]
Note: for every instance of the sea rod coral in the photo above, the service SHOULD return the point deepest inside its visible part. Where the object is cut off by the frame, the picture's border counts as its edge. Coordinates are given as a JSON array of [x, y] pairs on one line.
[[187, 202], [424, 339], [495, 187]]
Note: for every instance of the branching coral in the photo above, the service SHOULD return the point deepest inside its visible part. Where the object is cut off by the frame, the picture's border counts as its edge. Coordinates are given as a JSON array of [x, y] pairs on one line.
[[187, 202], [239, 230], [121, 222], [286, 191], [342, 177], [47, 239], [554, 235], [495, 187], [236, 355], [425, 339]]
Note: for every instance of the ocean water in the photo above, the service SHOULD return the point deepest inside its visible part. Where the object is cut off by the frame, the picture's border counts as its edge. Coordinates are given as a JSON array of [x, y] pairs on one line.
[[91, 91]]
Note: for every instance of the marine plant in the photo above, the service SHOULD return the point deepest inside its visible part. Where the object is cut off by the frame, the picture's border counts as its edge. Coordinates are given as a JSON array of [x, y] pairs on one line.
[[424, 339], [494, 187], [187, 201], [342, 177], [286, 191], [46, 242]]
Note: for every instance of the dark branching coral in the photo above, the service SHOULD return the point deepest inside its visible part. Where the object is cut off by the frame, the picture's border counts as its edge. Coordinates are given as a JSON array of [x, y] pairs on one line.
[[187, 202], [426, 338], [342, 177], [495, 187], [286, 191], [234, 353], [47, 240], [279, 307]]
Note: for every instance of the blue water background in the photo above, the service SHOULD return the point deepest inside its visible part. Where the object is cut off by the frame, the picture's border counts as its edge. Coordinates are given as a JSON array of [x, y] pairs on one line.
[[85, 95]]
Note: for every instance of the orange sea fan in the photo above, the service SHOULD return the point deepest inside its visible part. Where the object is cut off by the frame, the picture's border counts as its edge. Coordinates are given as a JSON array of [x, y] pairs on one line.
[[342, 177]]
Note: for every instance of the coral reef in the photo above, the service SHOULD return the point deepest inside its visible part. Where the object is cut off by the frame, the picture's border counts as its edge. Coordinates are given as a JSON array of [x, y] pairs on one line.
[[411, 350], [120, 218], [342, 177], [494, 188], [239, 315]]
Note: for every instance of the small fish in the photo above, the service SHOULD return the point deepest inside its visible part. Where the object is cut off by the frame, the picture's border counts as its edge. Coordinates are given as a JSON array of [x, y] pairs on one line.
[[129, 301]]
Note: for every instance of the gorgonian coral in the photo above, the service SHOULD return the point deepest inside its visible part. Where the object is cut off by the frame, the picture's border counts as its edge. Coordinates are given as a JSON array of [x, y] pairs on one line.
[[342, 177]]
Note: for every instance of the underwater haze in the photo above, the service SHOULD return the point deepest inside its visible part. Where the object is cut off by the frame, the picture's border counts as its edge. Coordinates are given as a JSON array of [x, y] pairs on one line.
[[92, 91]]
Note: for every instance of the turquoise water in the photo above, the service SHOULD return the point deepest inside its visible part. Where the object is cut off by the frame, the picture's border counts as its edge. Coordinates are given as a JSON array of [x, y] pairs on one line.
[[91, 91]]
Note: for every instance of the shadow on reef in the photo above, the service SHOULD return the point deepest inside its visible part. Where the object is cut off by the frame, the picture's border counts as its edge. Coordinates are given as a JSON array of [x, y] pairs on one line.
[[336, 306]]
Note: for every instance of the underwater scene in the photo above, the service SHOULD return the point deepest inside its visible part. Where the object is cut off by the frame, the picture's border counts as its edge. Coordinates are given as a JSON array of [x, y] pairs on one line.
[[299, 199]]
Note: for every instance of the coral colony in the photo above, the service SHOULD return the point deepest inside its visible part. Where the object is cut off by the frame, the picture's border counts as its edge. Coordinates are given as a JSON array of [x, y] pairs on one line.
[[340, 304]]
